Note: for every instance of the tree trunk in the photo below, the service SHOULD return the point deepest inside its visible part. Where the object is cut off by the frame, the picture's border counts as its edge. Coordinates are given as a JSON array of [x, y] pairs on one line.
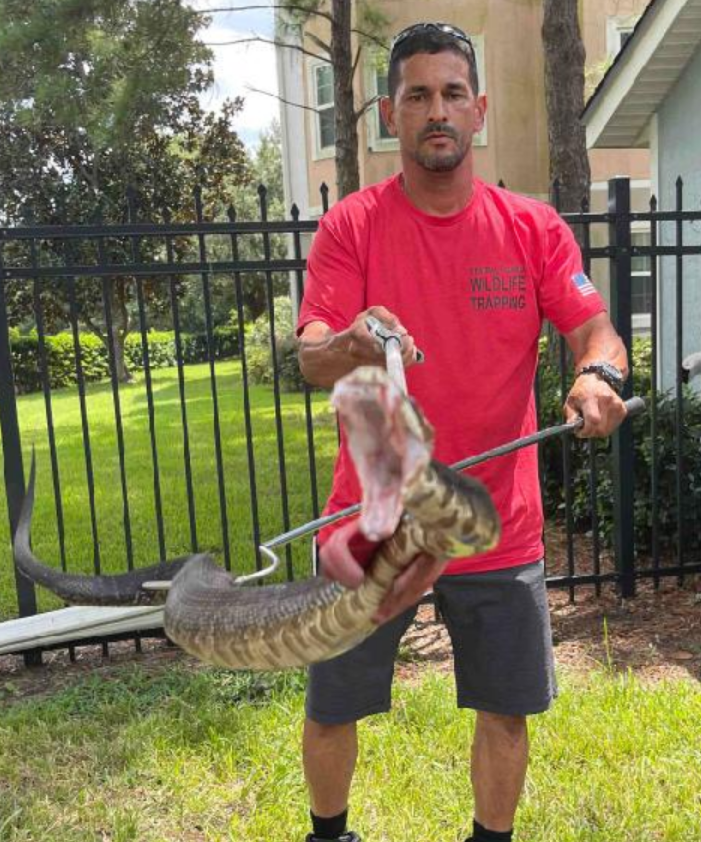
[[120, 361], [564, 97], [120, 330], [347, 171]]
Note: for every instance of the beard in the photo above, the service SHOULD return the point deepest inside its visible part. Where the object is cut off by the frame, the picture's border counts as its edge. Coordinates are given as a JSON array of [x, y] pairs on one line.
[[444, 160]]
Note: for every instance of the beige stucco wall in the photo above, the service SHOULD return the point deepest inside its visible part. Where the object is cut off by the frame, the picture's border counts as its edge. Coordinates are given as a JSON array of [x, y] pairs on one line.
[[516, 150], [517, 139]]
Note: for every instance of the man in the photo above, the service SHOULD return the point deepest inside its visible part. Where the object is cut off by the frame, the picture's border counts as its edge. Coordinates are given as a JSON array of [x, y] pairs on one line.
[[466, 272]]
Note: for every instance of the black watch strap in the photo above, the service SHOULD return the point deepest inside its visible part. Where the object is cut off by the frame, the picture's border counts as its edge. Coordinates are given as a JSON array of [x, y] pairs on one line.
[[607, 372]]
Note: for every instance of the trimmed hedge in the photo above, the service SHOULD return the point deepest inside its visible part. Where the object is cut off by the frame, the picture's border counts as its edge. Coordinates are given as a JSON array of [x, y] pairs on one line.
[[259, 357], [60, 356]]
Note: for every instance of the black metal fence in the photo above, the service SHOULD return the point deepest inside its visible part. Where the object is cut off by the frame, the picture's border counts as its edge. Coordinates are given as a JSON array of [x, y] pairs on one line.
[[196, 457]]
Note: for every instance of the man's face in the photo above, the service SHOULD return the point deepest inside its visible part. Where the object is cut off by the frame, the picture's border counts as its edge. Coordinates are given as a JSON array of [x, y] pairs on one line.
[[435, 112]]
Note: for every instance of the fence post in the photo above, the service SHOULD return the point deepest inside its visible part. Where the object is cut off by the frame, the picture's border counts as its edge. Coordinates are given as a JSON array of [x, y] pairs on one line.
[[623, 450], [12, 453]]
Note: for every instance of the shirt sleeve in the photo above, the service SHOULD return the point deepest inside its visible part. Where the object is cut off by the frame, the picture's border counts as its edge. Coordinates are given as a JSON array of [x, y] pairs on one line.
[[334, 292], [566, 295]]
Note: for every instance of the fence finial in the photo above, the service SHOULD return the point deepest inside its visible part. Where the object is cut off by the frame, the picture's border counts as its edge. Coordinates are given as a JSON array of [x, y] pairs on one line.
[[324, 190], [263, 202]]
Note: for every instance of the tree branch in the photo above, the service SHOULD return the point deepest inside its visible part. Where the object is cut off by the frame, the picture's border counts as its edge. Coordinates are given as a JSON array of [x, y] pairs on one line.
[[282, 99], [296, 8], [371, 37], [356, 61], [366, 107], [319, 43], [293, 7], [274, 42], [94, 327]]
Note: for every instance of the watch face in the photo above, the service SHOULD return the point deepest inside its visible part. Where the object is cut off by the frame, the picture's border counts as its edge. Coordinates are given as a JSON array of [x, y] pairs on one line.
[[612, 372], [607, 372]]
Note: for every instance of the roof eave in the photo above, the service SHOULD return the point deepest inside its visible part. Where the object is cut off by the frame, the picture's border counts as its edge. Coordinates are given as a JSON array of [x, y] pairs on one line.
[[618, 113]]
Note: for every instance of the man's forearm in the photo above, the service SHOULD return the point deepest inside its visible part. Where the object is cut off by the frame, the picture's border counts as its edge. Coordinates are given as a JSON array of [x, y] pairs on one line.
[[597, 341], [591, 397], [325, 356], [323, 361]]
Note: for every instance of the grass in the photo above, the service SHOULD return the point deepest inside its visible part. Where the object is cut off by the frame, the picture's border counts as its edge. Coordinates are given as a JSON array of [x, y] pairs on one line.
[[140, 475], [208, 756]]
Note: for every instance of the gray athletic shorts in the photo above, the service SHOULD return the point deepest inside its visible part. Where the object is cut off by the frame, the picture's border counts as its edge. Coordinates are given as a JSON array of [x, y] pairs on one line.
[[499, 626]]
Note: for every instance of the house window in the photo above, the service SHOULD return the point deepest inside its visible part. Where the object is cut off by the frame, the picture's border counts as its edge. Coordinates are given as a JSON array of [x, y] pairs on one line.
[[641, 276], [322, 75], [382, 89], [623, 35], [618, 31], [376, 85]]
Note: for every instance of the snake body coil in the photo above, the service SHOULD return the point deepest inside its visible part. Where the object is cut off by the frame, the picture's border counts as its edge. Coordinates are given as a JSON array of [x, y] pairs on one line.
[[424, 507]]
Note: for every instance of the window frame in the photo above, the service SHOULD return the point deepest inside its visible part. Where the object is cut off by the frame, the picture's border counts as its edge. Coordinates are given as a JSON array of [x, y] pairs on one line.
[[616, 27], [642, 321], [319, 152]]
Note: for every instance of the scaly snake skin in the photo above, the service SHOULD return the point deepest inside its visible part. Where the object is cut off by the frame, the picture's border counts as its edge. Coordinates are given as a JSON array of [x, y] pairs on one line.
[[424, 508]]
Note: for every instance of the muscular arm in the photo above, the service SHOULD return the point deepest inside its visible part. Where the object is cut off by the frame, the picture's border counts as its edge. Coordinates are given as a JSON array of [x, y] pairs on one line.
[[594, 341], [325, 356]]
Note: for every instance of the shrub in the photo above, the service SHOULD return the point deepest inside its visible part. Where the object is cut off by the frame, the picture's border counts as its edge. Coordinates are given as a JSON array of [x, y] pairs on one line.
[[666, 445], [61, 363], [225, 341], [161, 350], [258, 354]]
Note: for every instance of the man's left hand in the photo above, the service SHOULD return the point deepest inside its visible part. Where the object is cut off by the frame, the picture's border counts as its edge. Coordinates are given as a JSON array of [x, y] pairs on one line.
[[408, 588], [338, 563], [596, 402]]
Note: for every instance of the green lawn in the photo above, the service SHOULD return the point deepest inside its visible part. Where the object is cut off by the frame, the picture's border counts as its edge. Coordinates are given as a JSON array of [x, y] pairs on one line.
[[110, 519], [210, 755]]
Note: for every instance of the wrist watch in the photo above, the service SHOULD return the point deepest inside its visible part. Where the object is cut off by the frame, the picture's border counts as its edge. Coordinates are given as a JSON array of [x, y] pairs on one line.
[[607, 372]]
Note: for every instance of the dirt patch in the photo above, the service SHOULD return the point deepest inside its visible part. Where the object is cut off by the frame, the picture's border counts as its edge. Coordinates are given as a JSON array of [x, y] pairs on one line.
[[657, 635]]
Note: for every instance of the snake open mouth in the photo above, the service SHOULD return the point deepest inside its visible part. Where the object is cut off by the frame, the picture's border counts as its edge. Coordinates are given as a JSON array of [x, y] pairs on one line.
[[388, 453]]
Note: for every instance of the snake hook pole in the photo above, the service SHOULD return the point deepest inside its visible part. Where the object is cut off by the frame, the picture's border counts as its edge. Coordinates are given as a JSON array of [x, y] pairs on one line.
[[634, 406], [391, 344]]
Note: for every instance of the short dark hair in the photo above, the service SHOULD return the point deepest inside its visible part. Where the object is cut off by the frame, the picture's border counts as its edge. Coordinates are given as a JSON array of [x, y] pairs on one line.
[[430, 38]]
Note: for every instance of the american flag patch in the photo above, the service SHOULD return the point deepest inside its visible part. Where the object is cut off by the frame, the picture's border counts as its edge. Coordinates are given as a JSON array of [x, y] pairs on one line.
[[583, 284]]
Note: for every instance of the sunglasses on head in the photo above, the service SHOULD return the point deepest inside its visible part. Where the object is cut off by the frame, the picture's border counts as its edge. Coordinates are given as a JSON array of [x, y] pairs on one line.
[[444, 28]]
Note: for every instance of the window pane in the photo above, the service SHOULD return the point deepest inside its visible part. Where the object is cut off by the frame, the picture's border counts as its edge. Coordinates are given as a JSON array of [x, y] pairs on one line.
[[624, 35], [324, 85], [382, 89], [640, 263], [384, 131], [641, 294], [327, 129]]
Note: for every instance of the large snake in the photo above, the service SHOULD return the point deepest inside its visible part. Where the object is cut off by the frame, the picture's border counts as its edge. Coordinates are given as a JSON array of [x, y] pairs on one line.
[[411, 503]]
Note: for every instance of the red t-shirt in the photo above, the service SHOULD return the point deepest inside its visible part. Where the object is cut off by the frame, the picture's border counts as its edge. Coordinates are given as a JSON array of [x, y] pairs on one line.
[[472, 289]]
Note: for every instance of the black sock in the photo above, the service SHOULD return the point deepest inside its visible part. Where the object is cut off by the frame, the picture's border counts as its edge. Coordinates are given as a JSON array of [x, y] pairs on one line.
[[481, 834], [330, 828]]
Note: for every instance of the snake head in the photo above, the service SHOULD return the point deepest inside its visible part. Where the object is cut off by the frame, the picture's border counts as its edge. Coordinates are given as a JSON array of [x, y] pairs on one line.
[[389, 441]]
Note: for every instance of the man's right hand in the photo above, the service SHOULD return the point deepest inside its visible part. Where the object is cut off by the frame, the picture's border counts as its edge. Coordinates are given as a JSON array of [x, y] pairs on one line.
[[325, 356], [338, 562], [365, 347]]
